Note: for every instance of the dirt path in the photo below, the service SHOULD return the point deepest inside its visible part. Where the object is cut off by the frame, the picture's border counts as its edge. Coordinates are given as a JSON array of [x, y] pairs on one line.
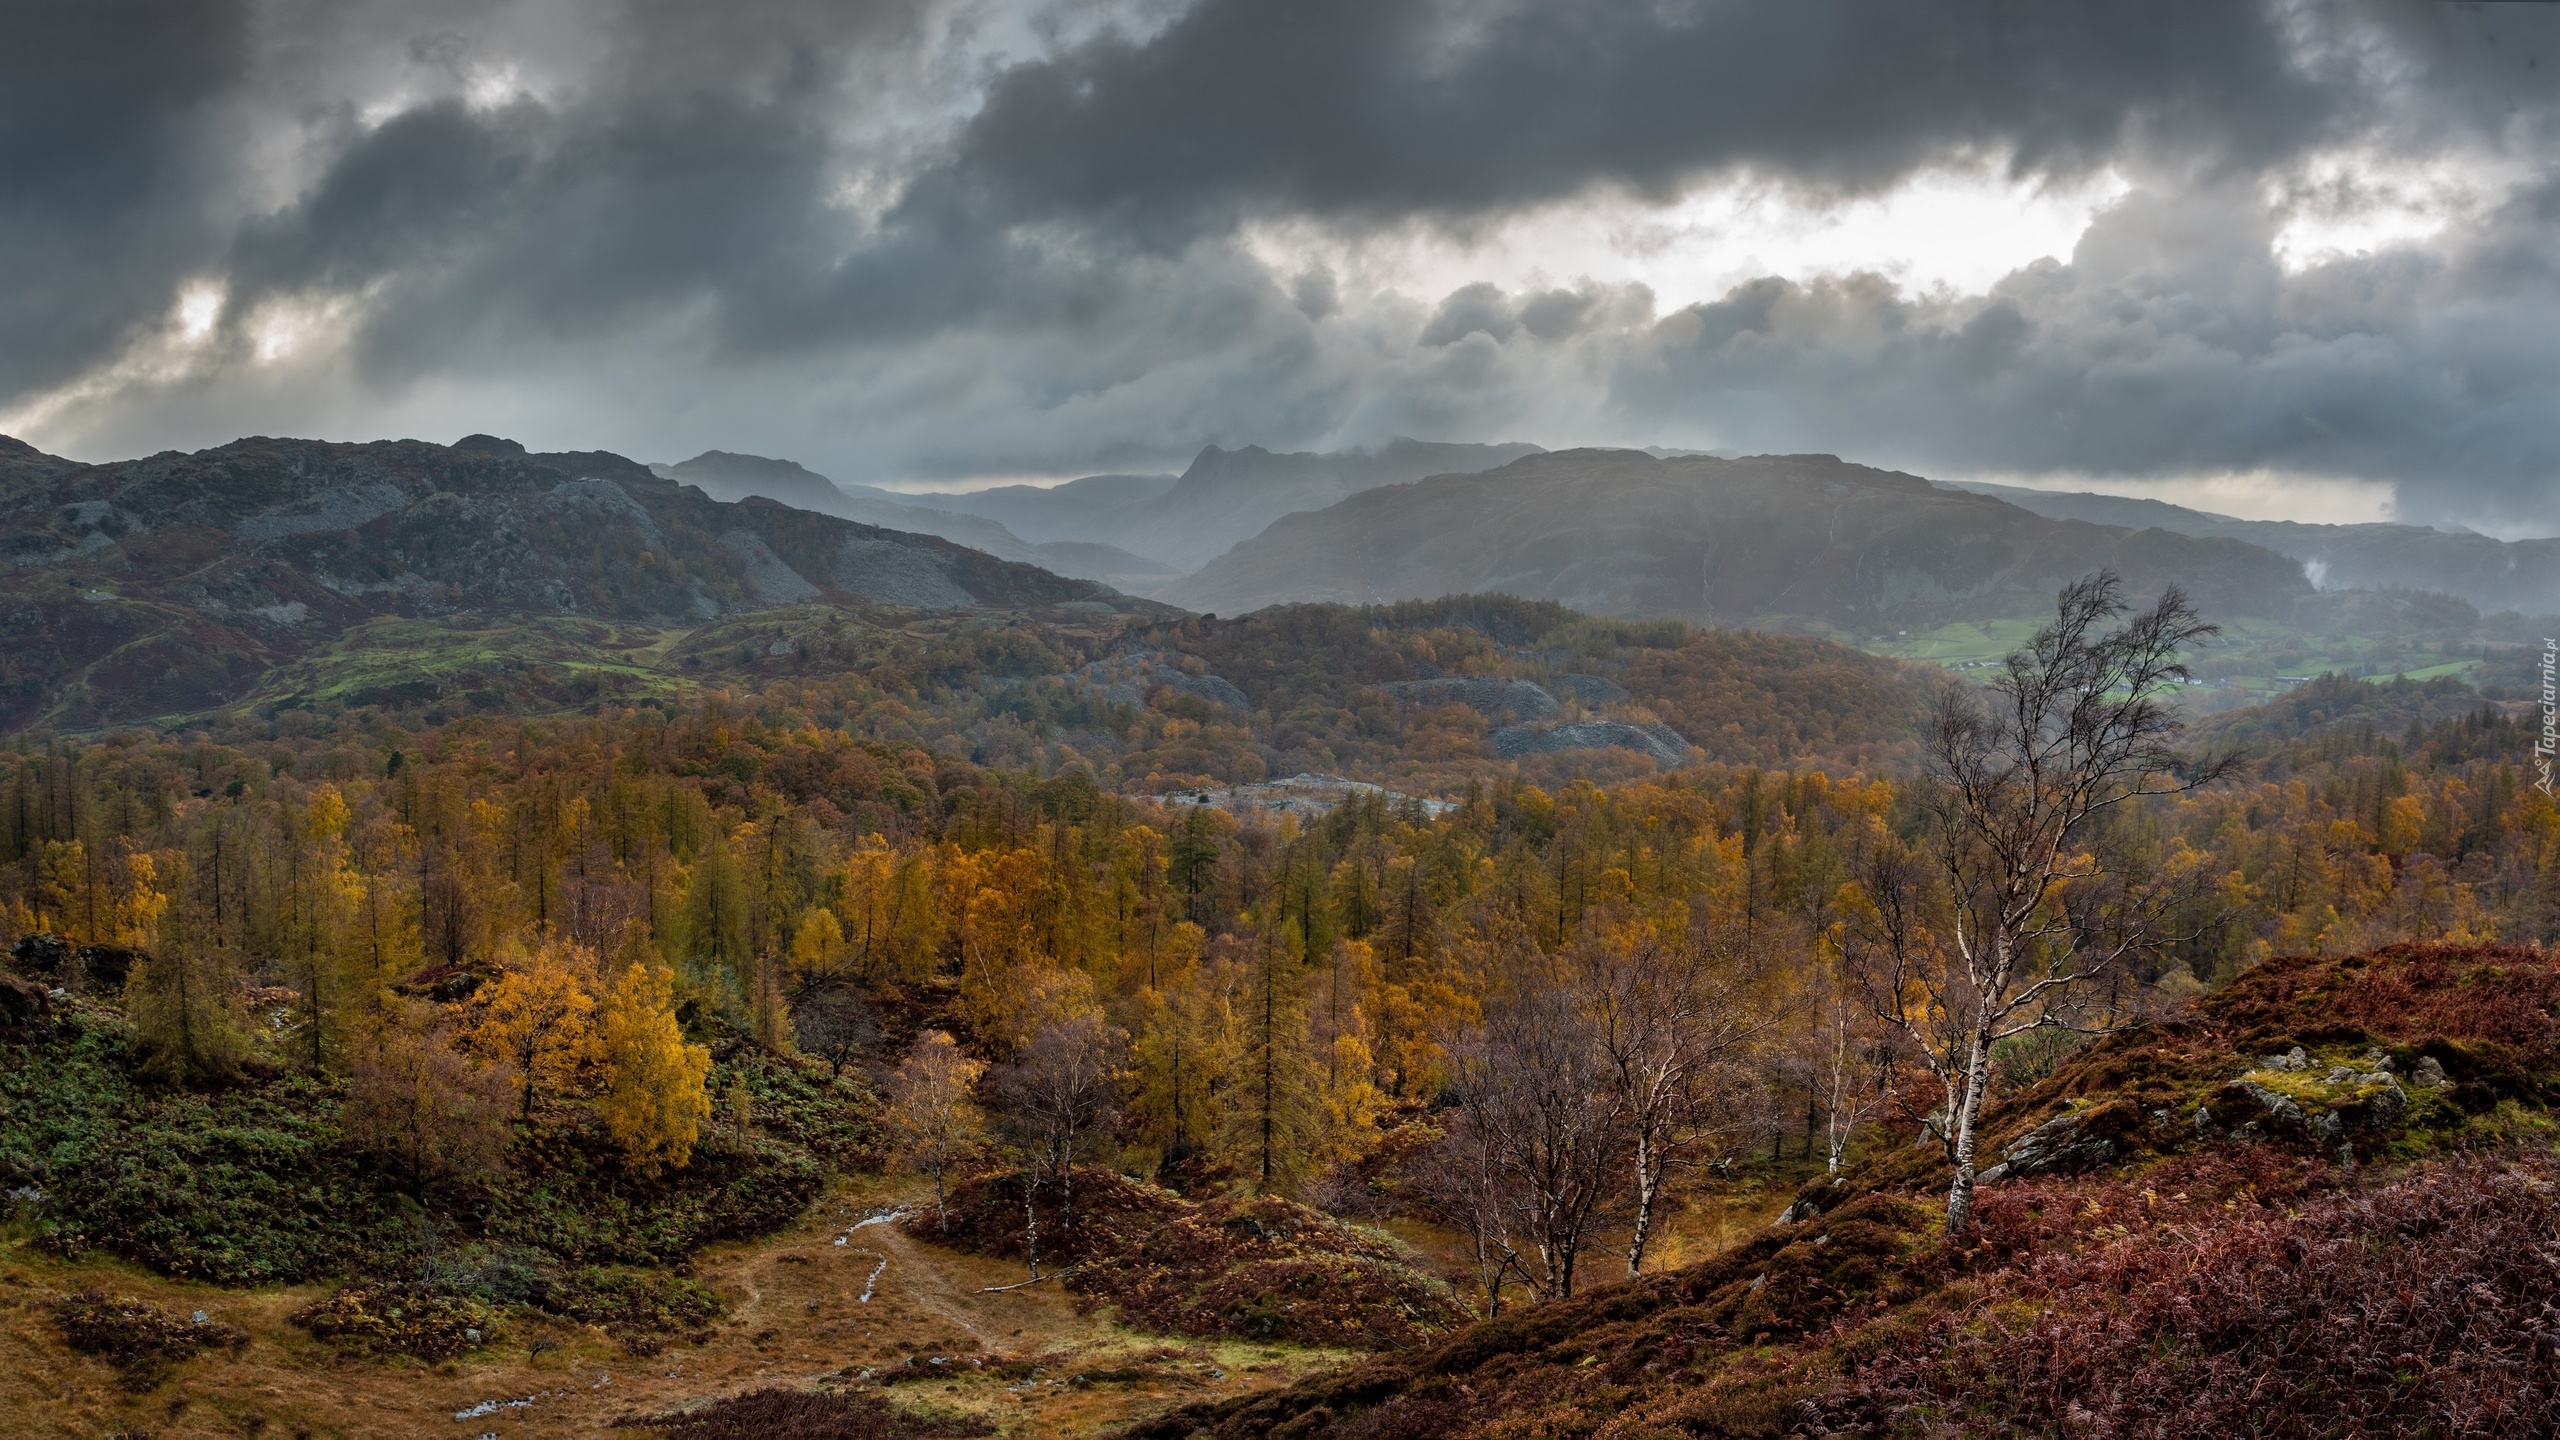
[[796, 1317]]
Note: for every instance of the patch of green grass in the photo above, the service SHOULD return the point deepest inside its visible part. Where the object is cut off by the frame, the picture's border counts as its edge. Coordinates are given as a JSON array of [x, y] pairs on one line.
[[256, 1183]]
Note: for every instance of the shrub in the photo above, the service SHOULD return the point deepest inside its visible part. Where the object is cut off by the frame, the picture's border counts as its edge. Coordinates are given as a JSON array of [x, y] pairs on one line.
[[629, 1302], [259, 1183], [423, 1321], [1268, 1269], [139, 1338], [2419, 1306], [778, 1414]]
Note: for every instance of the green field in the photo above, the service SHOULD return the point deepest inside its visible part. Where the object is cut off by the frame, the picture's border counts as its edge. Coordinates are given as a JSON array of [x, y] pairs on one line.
[[2252, 659]]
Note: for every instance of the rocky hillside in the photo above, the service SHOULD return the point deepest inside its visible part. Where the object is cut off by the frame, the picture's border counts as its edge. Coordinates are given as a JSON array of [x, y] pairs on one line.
[[1771, 541], [2319, 1204], [172, 583]]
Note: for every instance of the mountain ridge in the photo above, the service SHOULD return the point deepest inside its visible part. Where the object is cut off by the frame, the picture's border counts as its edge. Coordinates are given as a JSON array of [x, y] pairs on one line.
[[1755, 541], [2493, 575], [725, 475], [174, 581]]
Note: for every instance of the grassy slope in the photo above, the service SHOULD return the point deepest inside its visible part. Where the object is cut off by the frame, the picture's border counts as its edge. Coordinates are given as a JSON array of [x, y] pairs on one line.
[[794, 1318], [247, 1205]]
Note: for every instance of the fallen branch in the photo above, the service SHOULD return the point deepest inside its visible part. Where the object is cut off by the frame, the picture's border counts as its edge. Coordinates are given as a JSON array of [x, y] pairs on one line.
[[1034, 1280]]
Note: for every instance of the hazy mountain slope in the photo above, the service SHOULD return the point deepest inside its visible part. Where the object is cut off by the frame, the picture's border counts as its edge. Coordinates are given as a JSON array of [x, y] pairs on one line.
[[1228, 496], [725, 476], [1093, 508], [174, 582], [1721, 542], [1225, 497], [2495, 575]]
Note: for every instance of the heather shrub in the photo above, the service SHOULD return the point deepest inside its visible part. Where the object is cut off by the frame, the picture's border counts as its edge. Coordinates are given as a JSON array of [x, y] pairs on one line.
[[777, 1414], [2416, 1306], [423, 1322], [143, 1341]]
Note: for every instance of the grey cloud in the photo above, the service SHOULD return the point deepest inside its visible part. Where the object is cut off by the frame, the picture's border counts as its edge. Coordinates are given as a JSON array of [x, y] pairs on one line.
[[790, 226], [2172, 342], [109, 154], [1380, 109], [1471, 309]]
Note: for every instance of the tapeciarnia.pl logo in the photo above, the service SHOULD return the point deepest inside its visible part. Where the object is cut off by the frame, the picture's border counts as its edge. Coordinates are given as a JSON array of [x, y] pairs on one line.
[[2547, 749]]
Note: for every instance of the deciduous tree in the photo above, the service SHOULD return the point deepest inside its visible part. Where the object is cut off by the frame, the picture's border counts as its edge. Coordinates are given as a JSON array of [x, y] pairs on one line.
[[538, 1018], [933, 1111], [430, 1110], [1055, 1097], [2036, 896], [654, 1099]]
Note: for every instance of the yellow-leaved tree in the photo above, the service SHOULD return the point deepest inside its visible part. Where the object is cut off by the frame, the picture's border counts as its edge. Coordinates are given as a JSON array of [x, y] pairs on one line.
[[654, 1101], [933, 1112], [538, 1018]]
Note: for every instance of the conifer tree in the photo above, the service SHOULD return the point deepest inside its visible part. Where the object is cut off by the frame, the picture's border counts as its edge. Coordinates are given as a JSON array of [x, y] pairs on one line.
[[318, 896], [184, 997], [1273, 1114]]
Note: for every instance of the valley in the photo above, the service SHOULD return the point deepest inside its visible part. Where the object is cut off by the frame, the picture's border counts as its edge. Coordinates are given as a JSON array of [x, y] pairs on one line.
[[562, 984]]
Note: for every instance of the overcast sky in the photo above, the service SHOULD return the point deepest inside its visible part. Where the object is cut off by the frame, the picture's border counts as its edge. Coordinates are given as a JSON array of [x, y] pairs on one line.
[[2294, 257]]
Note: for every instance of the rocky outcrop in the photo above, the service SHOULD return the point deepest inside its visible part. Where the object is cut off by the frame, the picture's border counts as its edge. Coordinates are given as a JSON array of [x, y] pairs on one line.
[[1666, 745], [2271, 1100], [1492, 698], [1129, 678], [2059, 1146]]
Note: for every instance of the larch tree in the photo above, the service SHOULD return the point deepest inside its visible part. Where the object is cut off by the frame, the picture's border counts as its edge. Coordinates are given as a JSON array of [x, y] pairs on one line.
[[319, 897], [1274, 1114], [184, 997], [933, 1111], [655, 1098], [539, 1018], [1183, 1056]]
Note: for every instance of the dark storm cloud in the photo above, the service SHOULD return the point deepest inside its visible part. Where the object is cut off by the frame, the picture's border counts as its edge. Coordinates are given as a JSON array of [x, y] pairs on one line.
[[1383, 108], [107, 165], [686, 174]]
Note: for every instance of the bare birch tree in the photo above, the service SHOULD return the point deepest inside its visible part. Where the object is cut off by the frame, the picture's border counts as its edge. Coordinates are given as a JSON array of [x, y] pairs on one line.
[[2033, 900], [1542, 1105], [1672, 1022], [1055, 1097]]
